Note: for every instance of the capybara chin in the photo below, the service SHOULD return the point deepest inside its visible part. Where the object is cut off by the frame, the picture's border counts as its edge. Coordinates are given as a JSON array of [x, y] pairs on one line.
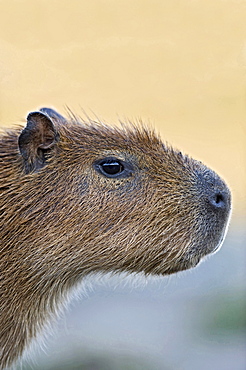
[[81, 197]]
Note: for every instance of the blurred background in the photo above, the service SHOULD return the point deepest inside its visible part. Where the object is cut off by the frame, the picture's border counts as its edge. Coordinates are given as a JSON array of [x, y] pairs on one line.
[[180, 65]]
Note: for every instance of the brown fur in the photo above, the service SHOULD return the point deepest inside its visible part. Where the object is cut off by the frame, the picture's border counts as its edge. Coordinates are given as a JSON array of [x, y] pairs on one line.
[[61, 219]]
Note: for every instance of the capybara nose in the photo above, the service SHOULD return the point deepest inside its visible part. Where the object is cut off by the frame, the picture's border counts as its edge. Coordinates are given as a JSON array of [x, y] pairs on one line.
[[218, 195], [220, 199]]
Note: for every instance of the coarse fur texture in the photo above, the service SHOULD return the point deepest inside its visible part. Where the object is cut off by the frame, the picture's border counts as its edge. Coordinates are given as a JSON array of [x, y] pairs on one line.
[[63, 217]]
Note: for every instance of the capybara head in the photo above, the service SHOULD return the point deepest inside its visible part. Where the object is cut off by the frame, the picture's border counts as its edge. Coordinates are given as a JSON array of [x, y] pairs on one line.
[[93, 197]]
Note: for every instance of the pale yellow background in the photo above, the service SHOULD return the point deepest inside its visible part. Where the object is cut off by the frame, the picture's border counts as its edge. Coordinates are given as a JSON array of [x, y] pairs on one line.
[[179, 64]]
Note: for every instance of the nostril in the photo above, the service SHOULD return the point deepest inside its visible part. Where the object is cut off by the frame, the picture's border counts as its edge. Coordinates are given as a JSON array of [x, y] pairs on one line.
[[219, 198]]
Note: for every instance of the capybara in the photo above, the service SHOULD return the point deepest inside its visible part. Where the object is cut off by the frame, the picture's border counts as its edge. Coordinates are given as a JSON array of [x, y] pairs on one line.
[[78, 197]]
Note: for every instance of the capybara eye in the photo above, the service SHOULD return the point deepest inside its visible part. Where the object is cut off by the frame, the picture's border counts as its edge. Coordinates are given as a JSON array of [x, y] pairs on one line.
[[110, 167], [113, 167]]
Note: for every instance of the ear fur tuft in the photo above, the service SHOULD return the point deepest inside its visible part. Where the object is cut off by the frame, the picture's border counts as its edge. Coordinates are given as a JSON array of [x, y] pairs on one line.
[[36, 139]]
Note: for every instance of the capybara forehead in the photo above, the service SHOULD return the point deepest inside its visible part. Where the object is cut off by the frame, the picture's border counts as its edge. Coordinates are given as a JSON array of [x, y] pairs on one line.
[[128, 140]]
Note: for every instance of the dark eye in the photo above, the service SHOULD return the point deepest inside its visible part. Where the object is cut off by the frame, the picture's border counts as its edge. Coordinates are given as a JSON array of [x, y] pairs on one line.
[[112, 167]]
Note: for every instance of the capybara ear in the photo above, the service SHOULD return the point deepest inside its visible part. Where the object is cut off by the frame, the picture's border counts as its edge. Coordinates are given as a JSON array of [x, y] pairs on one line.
[[36, 140], [53, 114]]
